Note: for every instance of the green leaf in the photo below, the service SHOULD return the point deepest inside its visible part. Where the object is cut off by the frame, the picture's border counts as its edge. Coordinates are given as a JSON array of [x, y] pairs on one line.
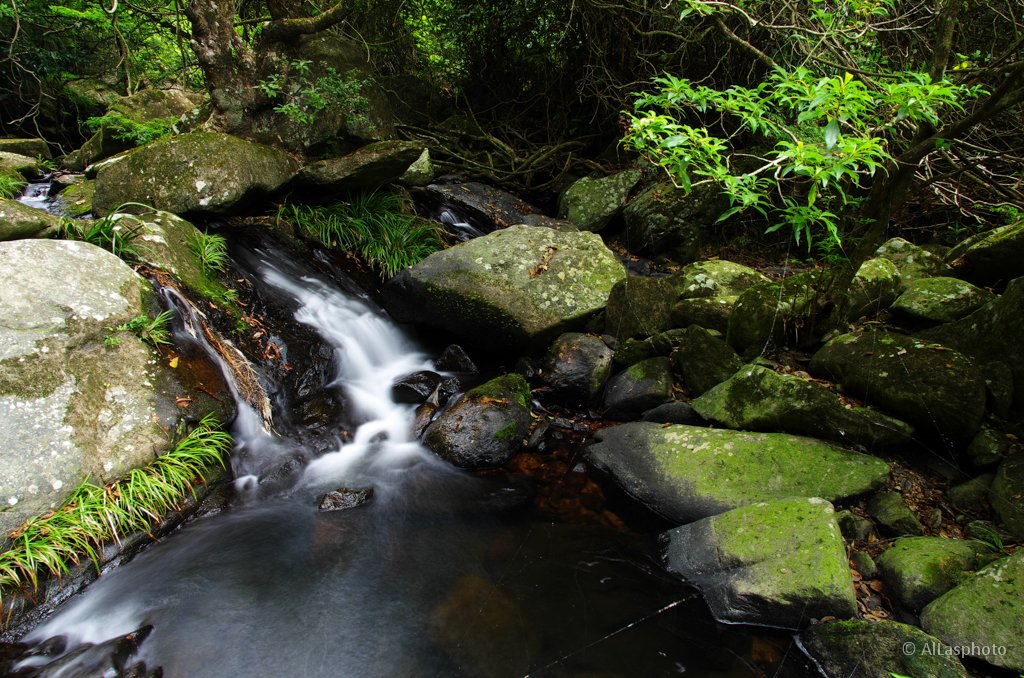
[[831, 133]]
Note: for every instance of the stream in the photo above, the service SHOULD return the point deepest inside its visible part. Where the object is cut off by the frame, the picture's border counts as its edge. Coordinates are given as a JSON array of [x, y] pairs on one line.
[[442, 573]]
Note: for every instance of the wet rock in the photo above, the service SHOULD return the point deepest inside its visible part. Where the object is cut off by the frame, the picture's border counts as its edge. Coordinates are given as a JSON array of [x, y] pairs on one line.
[[787, 310], [912, 261], [639, 307], [972, 495], [938, 390], [675, 412], [21, 221], [519, 287], [365, 169], [577, 366], [416, 387], [345, 498], [779, 563], [854, 527], [1007, 495], [878, 649], [940, 300], [591, 204], [484, 427], [666, 219], [75, 201], [483, 204], [455, 359], [991, 334], [639, 387], [109, 658], [893, 514], [62, 180], [874, 287], [165, 242], [202, 172], [33, 148], [917, 570], [483, 630], [685, 473], [993, 601], [991, 258], [710, 312], [757, 398]]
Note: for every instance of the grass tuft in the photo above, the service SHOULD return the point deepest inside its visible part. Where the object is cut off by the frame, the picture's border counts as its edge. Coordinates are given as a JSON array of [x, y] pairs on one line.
[[372, 227], [92, 515], [11, 185], [211, 250], [154, 331]]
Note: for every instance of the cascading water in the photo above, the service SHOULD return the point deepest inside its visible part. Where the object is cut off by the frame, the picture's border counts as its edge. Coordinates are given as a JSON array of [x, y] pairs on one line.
[[443, 573]]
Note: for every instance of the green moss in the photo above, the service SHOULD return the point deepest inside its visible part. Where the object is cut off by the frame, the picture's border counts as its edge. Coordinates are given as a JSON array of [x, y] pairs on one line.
[[507, 432], [506, 387]]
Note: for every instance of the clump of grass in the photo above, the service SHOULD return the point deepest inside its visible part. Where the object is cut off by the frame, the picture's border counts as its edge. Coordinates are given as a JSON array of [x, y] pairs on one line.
[[372, 227], [108, 232], [92, 515], [11, 185], [154, 331], [211, 250]]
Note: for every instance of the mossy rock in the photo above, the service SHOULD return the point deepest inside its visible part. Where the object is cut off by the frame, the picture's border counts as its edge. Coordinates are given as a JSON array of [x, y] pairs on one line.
[[874, 287], [577, 366], [917, 570], [992, 258], [76, 201], [893, 514], [938, 390], [639, 307], [365, 169], [420, 173], [639, 387], [709, 312], [779, 563], [855, 528], [789, 310], [1007, 495], [941, 300], [756, 398], [201, 172], [18, 220], [685, 473], [518, 287], [591, 204], [704, 359], [913, 262], [26, 166], [971, 495], [666, 219], [988, 448], [164, 242], [715, 278], [878, 649], [33, 148], [992, 601]]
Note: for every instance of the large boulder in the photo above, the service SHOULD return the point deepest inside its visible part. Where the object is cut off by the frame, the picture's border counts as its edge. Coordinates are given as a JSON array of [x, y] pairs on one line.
[[913, 262], [991, 258], [685, 473], [591, 204], [878, 649], [991, 334], [757, 398], [18, 220], [940, 300], [787, 310], [33, 148], [993, 602], [668, 219], [366, 169], [484, 427], [164, 242], [917, 570], [519, 287], [76, 200], [778, 563], [201, 172], [939, 390], [73, 404], [874, 287], [715, 278], [14, 164]]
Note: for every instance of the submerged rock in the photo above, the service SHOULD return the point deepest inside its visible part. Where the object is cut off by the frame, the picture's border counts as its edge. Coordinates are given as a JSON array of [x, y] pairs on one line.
[[685, 473], [878, 649], [519, 287], [345, 498], [993, 601], [202, 172], [591, 204], [757, 398], [941, 300], [779, 563]]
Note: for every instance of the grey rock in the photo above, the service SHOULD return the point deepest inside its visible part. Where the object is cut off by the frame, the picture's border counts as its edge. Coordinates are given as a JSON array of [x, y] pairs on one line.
[[639, 387], [591, 204], [893, 514]]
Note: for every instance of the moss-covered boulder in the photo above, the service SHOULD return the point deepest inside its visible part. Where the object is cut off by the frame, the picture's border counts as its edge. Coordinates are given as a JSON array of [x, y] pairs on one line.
[[940, 300], [992, 258], [893, 515], [988, 448], [666, 219], [992, 334], [982, 615], [913, 262], [709, 312], [879, 649], [778, 563], [75, 201], [420, 173], [33, 148], [484, 207], [485, 426], [685, 473], [518, 287], [971, 495], [704, 359], [715, 278], [16, 164], [637, 388], [201, 172], [1007, 495], [917, 570], [639, 307], [938, 390], [21, 221], [577, 366], [164, 242], [757, 398], [787, 310], [874, 287], [365, 169], [73, 403], [591, 204]]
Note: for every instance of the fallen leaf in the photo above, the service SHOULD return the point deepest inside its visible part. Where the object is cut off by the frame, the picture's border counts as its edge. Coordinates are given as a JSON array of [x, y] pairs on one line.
[[173, 362]]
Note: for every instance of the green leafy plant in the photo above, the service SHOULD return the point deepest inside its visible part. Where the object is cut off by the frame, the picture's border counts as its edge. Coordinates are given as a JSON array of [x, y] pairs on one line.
[[123, 128], [154, 331], [371, 227], [109, 233], [11, 185], [211, 250], [92, 515], [301, 96]]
